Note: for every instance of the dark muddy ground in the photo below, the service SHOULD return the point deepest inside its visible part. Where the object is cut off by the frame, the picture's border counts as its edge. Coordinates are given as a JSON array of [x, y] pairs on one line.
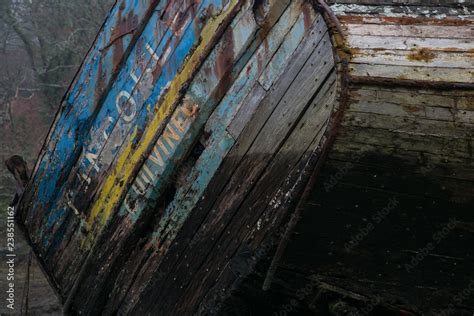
[[41, 298]]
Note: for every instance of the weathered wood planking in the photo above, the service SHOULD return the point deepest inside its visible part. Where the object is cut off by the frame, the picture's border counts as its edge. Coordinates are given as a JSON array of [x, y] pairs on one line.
[[265, 199], [59, 215], [397, 140], [432, 49], [285, 49], [119, 33], [257, 63], [75, 120], [145, 83], [210, 34], [410, 42], [424, 31], [186, 123], [418, 103], [244, 96], [401, 19], [444, 5], [143, 46], [412, 126], [414, 57], [422, 126], [416, 97], [219, 211], [270, 204], [401, 12], [413, 72]]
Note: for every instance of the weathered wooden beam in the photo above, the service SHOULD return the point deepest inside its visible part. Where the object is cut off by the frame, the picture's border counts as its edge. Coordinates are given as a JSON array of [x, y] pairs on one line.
[[416, 3], [408, 83]]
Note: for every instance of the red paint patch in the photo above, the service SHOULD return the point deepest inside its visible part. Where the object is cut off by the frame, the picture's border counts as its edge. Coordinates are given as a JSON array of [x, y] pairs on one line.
[[307, 17], [412, 108]]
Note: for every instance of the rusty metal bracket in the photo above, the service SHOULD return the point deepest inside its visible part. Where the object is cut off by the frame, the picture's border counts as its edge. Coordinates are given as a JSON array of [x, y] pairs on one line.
[[323, 7]]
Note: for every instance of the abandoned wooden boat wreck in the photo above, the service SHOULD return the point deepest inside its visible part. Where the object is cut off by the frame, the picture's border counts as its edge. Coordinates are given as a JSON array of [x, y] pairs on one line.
[[197, 133]]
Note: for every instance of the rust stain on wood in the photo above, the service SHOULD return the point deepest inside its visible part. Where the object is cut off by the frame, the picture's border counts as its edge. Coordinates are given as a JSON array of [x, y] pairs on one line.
[[422, 54], [412, 108]]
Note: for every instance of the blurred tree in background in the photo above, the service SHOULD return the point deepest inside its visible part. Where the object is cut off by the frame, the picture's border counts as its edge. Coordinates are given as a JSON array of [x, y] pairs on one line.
[[42, 44], [53, 35]]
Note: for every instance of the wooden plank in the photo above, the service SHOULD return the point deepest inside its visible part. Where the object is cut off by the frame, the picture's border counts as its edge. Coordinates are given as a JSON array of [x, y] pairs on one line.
[[454, 20], [409, 125], [436, 113], [403, 96], [245, 113], [414, 57], [281, 58], [422, 5], [413, 73], [417, 152], [404, 110], [422, 91], [431, 163], [407, 43], [423, 31], [451, 149]]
